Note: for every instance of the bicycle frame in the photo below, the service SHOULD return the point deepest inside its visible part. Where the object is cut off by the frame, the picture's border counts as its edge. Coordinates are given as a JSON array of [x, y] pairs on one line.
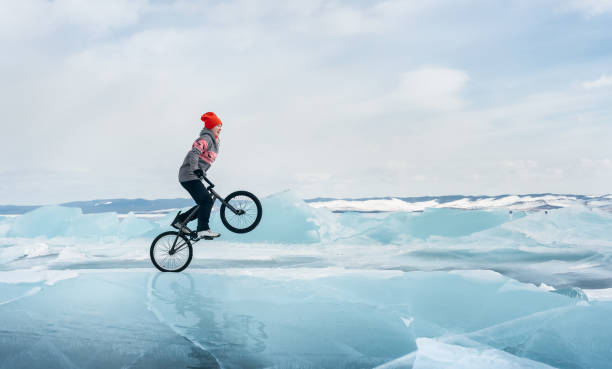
[[192, 213], [217, 196]]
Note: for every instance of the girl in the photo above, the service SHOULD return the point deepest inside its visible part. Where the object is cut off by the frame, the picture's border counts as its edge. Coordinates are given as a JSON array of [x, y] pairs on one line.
[[198, 160]]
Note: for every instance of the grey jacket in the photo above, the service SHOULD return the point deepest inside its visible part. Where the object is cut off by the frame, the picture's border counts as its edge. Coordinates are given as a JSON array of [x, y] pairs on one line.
[[201, 156]]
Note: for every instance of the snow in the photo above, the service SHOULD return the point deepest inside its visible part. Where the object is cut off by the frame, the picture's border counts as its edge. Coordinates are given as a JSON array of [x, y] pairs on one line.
[[376, 205], [602, 294], [509, 202], [37, 249]]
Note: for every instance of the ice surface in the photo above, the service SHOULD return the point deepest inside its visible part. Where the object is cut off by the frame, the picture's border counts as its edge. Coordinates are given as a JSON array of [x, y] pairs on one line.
[[131, 226], [310, 288], [6, 294], [287, 219], [5, 225], [53, 221], [577, 225], [565, 248], [59, 221], [339, 318], [402, 226], [49, 221], [438, 355], [575, 336], [94, 225]]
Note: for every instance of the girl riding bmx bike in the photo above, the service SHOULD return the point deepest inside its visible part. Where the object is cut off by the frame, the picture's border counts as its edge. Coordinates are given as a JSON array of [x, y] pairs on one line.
[[240, 211]]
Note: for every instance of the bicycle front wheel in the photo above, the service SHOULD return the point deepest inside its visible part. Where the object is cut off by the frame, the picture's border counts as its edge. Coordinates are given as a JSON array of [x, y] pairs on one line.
[[247, 212], [169, 259]]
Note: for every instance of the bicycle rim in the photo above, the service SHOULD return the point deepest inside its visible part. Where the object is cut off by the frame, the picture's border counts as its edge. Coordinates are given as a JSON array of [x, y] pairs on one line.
[[160, 253], [250, 212]]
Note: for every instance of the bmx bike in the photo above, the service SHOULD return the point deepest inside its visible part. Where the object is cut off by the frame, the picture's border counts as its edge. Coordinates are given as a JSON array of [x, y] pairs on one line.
[[240, 213]]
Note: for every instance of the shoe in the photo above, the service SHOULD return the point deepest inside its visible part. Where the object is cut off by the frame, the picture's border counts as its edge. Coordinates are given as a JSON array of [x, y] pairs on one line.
[[208, 234]]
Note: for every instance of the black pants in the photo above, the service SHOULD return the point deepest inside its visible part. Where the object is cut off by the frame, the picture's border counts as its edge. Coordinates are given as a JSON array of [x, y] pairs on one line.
[[202, 197]]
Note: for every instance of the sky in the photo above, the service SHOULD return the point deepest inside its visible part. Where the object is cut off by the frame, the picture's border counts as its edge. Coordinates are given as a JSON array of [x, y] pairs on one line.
[[102, 99]]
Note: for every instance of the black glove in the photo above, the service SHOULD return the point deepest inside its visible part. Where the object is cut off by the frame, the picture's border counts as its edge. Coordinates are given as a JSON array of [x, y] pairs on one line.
[[198, 172]]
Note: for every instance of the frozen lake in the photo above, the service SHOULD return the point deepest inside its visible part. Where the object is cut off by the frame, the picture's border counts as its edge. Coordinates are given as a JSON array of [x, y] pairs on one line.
[[312, 289]]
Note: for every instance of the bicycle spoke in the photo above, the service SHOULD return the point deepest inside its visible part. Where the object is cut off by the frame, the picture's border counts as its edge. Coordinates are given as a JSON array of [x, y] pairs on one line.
[[247, 207], [181, 248], [241, 213], [161, 252]]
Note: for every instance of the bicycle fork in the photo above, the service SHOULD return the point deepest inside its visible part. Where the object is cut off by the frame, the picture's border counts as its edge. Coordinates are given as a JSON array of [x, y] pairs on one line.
[[227, 204], [172, 250]]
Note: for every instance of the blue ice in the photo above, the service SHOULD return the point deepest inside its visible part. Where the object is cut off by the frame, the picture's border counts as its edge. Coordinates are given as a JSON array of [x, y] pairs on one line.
[[311, 289], [326, 319]]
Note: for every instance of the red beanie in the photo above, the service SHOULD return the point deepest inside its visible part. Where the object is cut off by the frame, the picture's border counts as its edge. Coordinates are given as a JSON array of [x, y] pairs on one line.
[[210, 120]]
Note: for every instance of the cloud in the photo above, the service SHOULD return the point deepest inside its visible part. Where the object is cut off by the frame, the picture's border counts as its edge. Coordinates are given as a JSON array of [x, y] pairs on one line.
[[419, 177], [589, 7], [432, 88], [596, 164], [419, 91], [519, 164], [339, 98], [29, 19], [333, 18], [603, 81]]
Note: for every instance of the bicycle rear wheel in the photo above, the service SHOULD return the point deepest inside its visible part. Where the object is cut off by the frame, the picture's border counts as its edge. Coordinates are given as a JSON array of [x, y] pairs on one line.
[[247, 215], [163, 259]]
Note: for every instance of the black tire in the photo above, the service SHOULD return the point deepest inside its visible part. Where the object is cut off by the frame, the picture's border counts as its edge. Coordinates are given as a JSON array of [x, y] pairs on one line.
[[249, 203], [161, 257]]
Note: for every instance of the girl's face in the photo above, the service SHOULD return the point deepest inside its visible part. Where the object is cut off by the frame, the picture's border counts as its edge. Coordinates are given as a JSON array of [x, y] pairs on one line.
[[216, 129]]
